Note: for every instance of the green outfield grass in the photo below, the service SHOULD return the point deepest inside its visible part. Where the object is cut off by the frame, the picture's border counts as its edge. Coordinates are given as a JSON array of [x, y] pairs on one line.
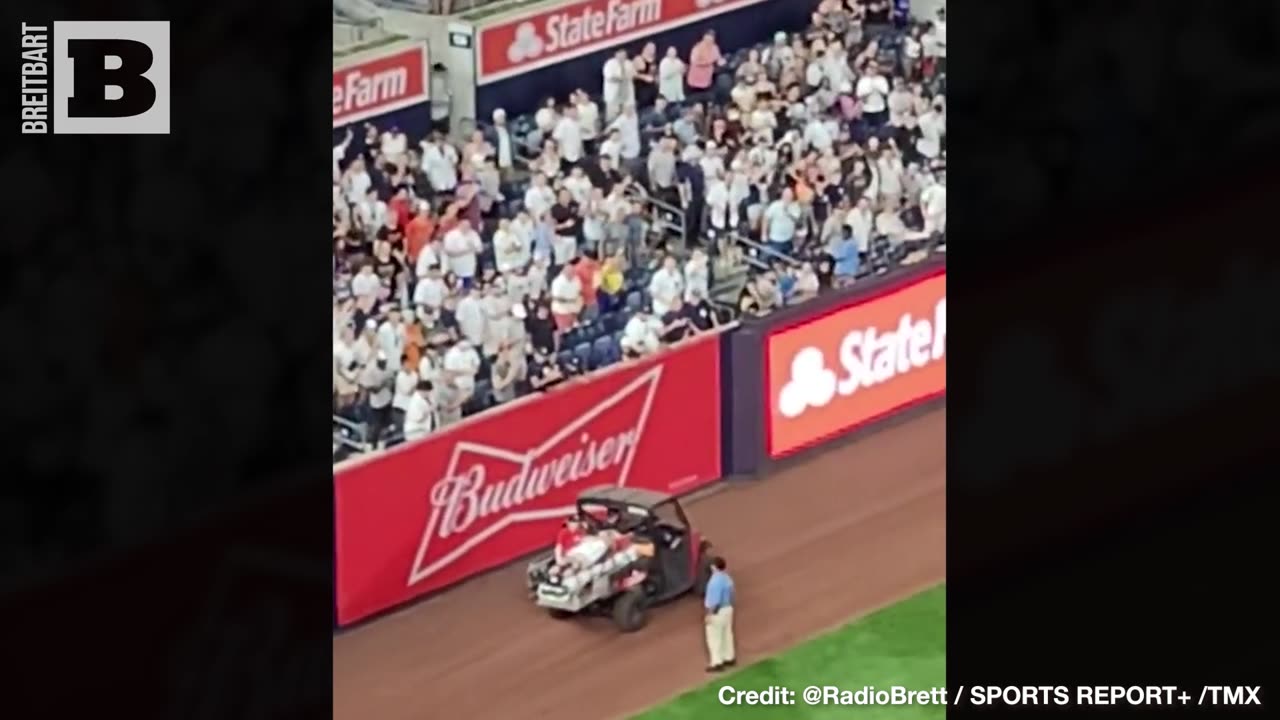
[[904, 644]]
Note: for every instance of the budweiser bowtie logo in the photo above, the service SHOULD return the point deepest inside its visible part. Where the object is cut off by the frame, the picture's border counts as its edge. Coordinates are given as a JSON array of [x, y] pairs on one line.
[[487, 489]]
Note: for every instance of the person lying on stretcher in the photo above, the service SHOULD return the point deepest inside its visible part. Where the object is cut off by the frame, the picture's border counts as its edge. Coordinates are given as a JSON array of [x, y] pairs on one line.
[[578, 547]]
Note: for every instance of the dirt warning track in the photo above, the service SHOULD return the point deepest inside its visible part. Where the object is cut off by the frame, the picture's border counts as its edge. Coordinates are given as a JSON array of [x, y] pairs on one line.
[[834, 536]]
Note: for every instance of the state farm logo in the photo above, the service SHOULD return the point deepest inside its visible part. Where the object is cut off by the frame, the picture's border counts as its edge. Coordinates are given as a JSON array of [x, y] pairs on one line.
[[527, 45], [379, 85], [594, 21], [867, 357], [487, 489]]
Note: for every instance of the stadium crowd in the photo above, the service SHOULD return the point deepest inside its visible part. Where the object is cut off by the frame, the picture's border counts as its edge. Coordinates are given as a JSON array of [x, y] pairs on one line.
[[538, 248]]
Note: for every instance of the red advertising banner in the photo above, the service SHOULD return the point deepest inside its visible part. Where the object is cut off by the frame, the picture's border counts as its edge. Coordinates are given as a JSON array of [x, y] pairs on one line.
[[856, 363], [535, 39], [430, 514], [380, 84]]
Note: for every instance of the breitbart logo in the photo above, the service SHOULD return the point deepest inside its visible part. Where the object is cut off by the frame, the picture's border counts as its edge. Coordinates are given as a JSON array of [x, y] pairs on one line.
[[98, 78], [861, 362]]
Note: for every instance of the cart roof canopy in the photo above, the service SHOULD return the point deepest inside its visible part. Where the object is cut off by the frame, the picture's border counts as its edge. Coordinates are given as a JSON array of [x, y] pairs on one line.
[[609, 494]]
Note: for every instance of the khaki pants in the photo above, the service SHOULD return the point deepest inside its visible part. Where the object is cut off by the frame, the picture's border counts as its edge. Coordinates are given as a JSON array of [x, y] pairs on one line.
[[719, 630]]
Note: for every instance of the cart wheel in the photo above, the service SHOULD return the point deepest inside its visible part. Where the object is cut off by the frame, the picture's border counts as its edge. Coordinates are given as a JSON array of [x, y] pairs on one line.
[[629, 610]]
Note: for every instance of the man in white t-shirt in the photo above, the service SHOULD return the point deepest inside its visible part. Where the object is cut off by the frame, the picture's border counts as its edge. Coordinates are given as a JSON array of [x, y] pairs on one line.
[[617, 83], [666, 286], [861, 223], [781, 219], [578, 185], [539, 198], [873, 91], [419, 414], [933, 127], [461, 246], [588, 116], [641, 335], [568, 136], [462, 362], [628, 126], [510, 250], [503, 144], [430, 290], [469, 312], [566, 297]]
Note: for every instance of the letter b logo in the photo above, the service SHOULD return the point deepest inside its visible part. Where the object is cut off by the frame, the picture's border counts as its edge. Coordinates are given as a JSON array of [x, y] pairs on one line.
[[111, 78]]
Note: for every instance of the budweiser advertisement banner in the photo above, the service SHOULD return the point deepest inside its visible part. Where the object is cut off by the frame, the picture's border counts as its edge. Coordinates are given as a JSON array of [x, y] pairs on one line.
[[857, 363], [534, 39], [379, 82], [433, 513]]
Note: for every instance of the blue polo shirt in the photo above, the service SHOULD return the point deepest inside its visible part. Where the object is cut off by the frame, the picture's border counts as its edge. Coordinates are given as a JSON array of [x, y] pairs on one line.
[[719, 591]]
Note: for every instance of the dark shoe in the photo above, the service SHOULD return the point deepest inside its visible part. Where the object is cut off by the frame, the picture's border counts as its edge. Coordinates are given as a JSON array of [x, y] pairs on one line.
[[729, 663], [715, 668]]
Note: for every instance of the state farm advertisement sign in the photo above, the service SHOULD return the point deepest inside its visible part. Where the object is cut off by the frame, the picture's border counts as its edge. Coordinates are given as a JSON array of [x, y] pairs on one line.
[[856, 364], [533, 40], [380, 83], [430, 514]]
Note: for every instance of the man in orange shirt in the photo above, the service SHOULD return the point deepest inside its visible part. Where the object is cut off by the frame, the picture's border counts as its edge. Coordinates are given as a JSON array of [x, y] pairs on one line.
[[418, 232], [587, 268]]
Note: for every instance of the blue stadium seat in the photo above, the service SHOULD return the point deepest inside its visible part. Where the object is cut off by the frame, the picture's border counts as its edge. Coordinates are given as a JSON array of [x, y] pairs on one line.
[[564, 357], [582, 353], [635, 300]]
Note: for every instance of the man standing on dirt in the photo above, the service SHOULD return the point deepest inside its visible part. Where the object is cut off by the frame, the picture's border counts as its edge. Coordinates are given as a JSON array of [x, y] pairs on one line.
[[718, 620]]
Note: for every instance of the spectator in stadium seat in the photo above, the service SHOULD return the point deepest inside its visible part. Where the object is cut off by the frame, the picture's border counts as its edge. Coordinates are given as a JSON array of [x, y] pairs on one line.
[[391, 333], [504, 147], [644, 71], [805, 286], [541, 328], [377, 381], [642, 334], [430, 291], [703, 61], [845, 254], [873, 93], [612, 282], [618, 88], [675, 323], [461, 246], [588, 119], [539, 197], [587, 268], [578, 184], [542, 371], [469, 313], [440, 161], [404, 386], [510, 250], [628, 126], [699, 313], [366, 283], [418, 231], [508, 371], [460, 365], [566, 298], [568, 228], [671, 76], [420, 413], [568, 137], [932, 127], [666, 286], [697, 276], [497, 316], [861, 223], [662, 171], [780, 221]]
